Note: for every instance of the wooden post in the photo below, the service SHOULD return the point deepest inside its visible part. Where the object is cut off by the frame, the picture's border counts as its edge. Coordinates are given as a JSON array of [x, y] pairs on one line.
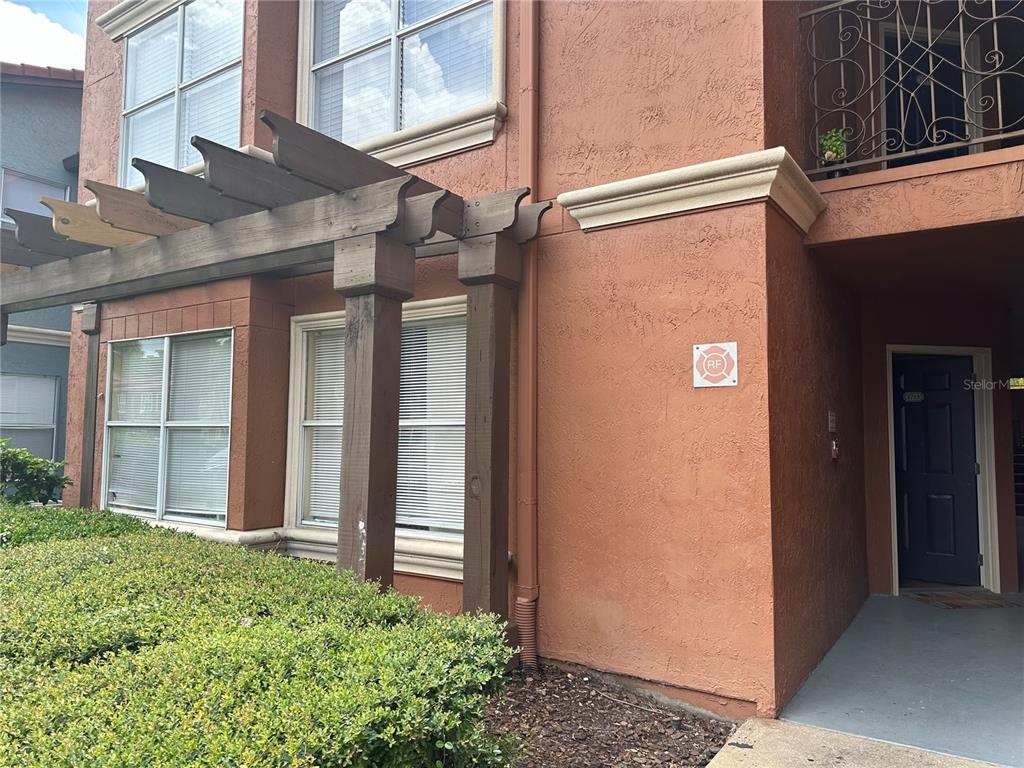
[[375, 274], [490, 268], [90, 325]]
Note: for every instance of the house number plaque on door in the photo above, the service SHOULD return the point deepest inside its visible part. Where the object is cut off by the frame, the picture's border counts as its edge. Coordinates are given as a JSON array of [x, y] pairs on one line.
[[913, 397]]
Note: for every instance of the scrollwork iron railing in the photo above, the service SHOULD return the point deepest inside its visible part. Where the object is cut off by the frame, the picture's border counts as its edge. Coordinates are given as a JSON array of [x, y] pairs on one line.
[[898, 81]]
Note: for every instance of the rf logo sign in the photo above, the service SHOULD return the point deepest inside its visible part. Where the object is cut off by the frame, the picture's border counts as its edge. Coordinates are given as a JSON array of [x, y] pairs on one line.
[[714, 365]]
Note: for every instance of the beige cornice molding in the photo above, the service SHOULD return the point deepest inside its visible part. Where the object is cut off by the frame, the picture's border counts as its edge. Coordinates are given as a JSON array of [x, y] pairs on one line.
[[470, 128], [770, 174], [28, 334], [128, 15]]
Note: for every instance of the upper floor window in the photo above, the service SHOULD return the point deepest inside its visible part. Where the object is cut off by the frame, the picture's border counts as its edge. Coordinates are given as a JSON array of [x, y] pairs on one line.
[[21, 192], [183, 77], [379, 66]]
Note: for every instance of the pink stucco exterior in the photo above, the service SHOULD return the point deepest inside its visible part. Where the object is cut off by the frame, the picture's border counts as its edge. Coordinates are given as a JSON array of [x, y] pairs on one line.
[[704, 540]]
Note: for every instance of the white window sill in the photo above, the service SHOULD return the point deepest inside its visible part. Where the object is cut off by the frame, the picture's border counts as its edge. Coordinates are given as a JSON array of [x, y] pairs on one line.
[[414, 555], [474, 127]]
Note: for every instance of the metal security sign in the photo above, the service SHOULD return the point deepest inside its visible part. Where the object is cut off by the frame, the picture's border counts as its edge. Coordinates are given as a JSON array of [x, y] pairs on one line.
[[715, 364]]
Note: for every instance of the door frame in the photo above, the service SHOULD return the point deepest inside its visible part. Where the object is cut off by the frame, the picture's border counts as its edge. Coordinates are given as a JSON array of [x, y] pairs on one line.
[[984, 451]]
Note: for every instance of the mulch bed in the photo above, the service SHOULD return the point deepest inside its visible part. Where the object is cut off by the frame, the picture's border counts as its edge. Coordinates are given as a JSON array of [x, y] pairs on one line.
[[572, 720]]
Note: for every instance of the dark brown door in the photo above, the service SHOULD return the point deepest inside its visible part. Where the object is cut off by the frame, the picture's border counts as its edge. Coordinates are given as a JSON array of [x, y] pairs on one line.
[[936, 476]]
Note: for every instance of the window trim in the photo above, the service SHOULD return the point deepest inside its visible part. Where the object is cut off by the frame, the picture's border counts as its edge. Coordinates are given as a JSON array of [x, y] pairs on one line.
[[56, 408], [164, 425], [474, 127], [177, 8], [421, 553], [4, 170]]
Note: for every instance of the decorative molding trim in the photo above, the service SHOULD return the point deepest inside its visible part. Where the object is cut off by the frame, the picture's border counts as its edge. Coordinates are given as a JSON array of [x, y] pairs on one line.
[[770, 174], [470, 128], [413, 555], [26, 334], [128, 15]]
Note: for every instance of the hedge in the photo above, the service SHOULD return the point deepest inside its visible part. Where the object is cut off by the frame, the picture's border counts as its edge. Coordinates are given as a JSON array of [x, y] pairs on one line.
[[163, 650], [24, 524]]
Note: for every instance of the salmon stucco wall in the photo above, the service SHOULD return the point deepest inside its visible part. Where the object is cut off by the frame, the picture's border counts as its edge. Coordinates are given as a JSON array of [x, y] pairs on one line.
[[654, 521], [942, 321], [102, 96], [819, 560]]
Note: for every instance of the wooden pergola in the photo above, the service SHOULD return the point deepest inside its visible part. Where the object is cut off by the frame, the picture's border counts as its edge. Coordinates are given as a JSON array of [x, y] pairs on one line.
[[319, 204]]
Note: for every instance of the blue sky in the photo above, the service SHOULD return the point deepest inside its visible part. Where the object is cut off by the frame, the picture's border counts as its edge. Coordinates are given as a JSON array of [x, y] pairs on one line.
[[70, 14]]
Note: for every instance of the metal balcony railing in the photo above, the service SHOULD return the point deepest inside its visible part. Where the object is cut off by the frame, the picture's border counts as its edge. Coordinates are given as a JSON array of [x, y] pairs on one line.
[[894, 82]]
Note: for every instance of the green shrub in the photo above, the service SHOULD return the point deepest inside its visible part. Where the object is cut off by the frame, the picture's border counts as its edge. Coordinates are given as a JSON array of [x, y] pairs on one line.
[[25, 524], [832, 146], [164, 650], [25, 477]]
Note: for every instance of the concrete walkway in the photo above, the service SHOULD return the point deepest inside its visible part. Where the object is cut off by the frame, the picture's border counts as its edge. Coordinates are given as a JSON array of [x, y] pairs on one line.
[[778, 744], [946, 680]]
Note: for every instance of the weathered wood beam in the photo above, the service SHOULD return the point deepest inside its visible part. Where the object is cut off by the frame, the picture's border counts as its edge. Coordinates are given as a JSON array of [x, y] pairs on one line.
[[186, 195], [81, 224], [527, 223], [492, 213], [36, 233], [90, 326], [124, 209], [489, 267], [4, 325], [323, 160], [300, 233], [249, 179], [375, 274], [13, 252]]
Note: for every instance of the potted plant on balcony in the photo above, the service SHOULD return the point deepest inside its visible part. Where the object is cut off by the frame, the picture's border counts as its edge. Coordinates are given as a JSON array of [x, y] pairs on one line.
[[832, 151]]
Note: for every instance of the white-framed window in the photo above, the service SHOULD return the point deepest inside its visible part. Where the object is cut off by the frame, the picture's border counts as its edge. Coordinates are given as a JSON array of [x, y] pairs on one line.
[[431, 450], [182, 77], [21, 192], [28, 412], [372, 71], [168, 427]]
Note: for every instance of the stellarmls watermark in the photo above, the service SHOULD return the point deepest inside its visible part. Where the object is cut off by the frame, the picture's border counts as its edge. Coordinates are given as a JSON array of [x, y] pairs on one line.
[[1014, 382]]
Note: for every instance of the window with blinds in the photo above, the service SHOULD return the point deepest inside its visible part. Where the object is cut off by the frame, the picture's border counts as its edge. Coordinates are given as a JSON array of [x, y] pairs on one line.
[[431, 445], [28, 412], [168, 427], [183, 77], [383, 65]]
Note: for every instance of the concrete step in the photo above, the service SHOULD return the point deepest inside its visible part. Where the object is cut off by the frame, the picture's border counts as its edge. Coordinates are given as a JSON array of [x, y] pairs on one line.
[[782, 744]]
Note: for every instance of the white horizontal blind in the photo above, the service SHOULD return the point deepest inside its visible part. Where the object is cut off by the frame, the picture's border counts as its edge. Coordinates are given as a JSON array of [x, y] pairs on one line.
[[133, 461], [137, 380], [431, 451], [321, 429], [197, 474], [176, 466], [200, 379], [28, 412], [183, 78], [432, 422], [382, 65]]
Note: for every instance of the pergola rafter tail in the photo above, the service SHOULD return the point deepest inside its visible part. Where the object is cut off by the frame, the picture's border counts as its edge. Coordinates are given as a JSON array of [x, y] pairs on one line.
[[319, 205]]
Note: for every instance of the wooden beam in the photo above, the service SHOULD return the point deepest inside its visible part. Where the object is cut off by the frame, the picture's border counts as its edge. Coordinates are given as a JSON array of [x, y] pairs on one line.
[[425, 214], [124, 209], [323, 160], [249, 179], [36, 233], [300, 233], [89, 323], [81, 224], [13, 252], [489, 266], [183, 194], [527, 223], [492, 213], [374, 273], [4, 326]]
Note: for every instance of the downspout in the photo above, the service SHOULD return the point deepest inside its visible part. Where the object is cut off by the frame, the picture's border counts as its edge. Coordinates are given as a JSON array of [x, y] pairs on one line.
[[526, 591]]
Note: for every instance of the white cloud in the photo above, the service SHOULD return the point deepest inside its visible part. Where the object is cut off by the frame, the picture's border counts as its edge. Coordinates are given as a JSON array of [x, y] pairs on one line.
[[27, 37]]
